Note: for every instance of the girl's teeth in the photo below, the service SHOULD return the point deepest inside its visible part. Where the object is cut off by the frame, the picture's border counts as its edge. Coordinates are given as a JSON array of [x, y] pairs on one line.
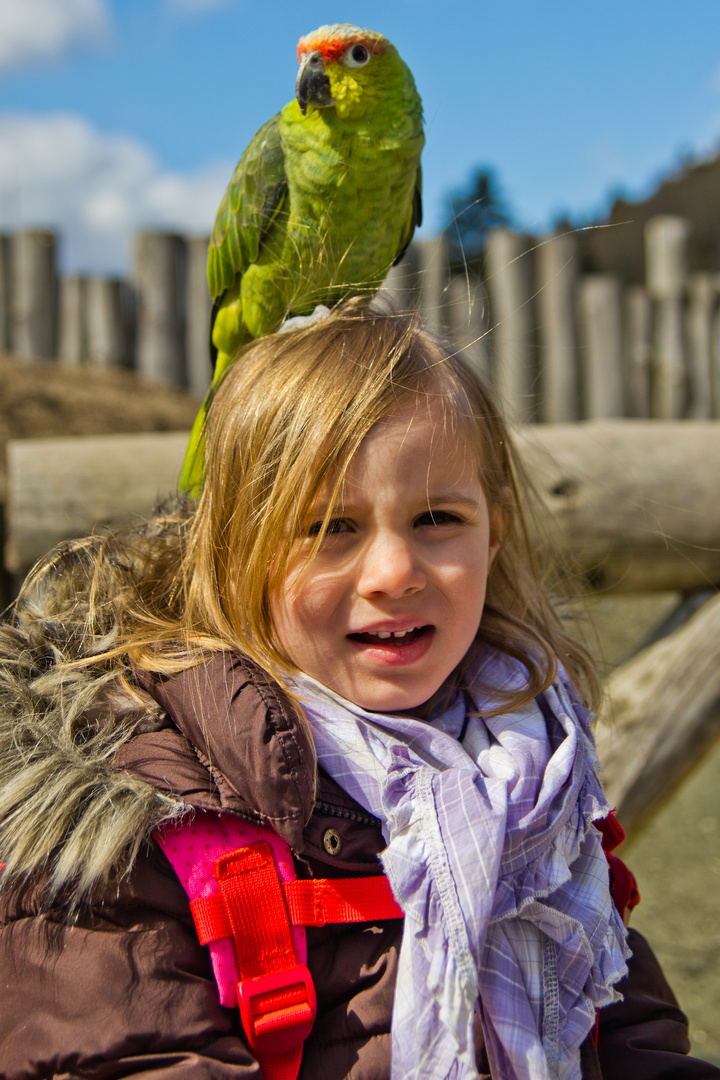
[[396, 634]]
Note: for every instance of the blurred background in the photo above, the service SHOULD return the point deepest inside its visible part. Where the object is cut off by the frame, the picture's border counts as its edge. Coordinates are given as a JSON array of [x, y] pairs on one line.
[[571, 245]]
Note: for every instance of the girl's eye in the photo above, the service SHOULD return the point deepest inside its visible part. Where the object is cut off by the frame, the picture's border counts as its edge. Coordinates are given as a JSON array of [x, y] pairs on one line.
[[334, 526], [357, 56], [438, 517]]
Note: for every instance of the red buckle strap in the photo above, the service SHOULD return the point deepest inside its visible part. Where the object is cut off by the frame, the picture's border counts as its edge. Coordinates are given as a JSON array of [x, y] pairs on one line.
[[276, 995], [278, 1010], [309, 903], [212, 921], [250, 887], [340, 900]]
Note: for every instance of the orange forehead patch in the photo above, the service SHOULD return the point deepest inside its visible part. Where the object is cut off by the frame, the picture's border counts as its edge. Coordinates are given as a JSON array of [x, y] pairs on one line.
[[332, 41]]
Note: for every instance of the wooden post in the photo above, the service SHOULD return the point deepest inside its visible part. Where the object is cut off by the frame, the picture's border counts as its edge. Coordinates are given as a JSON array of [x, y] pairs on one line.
[[402, 283], [434, 276], [73, 321], [34, 295], [5, 293], [716, 356], [699, 341], [106, 344], [666, 239], [468, 317], [160, 271], [508, 283], [199, 308], [638, 349], [599, 303], [129, 306], [559, 377]]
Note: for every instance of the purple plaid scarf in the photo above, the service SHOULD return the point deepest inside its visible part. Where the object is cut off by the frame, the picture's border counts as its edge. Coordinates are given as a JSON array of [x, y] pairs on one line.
[[492, 856]]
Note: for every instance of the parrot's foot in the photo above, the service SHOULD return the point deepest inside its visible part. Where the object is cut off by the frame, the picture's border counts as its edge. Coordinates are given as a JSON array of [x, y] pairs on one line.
[[302, 322]]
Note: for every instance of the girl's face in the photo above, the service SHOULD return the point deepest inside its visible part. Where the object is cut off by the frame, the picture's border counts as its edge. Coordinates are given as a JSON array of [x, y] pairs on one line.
[[393, 599]]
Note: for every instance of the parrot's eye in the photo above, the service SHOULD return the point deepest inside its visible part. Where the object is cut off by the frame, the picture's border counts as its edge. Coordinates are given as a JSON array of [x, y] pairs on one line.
[[357, 56]]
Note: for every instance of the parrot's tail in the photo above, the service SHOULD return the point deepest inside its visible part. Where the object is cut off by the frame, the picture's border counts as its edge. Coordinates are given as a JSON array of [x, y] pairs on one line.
[[191, 476]]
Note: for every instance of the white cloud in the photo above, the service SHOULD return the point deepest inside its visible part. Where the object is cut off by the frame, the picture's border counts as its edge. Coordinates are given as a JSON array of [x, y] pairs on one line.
[[37, 30], [96, 189]]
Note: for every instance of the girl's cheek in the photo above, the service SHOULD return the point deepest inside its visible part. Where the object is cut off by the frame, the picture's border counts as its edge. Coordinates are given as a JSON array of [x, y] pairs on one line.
[[318, 599], [308, 601]]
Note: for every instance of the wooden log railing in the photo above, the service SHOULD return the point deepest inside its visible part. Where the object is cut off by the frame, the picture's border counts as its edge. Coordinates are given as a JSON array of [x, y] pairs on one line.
[[634, 503], [661, 716], [63, 488]]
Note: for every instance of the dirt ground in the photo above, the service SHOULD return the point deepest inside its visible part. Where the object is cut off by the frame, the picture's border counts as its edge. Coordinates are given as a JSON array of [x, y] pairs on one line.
[[677, 863], [677, 858]]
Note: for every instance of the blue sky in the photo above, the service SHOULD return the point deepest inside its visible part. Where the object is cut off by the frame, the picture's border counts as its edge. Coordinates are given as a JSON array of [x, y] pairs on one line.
[[122, 114]]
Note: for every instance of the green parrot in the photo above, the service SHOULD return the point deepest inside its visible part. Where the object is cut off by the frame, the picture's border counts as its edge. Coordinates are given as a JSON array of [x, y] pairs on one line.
[[322, 203]]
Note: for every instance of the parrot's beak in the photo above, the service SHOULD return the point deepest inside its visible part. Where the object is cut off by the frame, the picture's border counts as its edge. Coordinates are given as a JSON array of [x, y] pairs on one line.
[[312, 86]]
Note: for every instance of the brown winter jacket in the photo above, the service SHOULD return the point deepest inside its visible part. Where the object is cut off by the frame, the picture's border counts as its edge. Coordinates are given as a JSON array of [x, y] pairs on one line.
[[122, 987]]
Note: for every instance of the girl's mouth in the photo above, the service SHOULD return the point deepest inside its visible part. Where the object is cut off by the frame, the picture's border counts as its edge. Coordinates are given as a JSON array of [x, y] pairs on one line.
[[399, 648], [385, 638]]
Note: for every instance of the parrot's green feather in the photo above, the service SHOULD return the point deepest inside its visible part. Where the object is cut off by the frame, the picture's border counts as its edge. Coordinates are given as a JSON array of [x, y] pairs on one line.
[[414, 217], [320, 206], [256, 187]]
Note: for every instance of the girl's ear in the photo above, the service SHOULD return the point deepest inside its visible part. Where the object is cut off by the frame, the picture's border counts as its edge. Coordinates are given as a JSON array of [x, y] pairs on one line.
[[499, 514]]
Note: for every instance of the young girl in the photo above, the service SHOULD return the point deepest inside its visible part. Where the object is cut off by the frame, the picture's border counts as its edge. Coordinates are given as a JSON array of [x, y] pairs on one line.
[[346, 643]]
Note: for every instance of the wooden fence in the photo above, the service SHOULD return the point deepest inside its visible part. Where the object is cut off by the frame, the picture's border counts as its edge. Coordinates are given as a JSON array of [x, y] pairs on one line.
[[559, 345]]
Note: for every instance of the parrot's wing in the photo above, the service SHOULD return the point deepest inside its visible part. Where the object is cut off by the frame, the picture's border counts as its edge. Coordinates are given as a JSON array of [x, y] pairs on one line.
[[414, 217], [253, 199]]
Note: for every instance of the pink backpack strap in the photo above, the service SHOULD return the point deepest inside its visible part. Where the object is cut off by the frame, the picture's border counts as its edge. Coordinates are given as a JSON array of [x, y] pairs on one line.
[[251, 910], [193, 847]]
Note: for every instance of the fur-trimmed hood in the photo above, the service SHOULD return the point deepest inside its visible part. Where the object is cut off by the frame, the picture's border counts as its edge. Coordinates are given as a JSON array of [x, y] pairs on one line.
[[95, 757]]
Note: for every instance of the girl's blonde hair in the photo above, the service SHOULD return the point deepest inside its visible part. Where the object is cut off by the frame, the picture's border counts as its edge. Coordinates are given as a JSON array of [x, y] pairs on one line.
[[285, 422]]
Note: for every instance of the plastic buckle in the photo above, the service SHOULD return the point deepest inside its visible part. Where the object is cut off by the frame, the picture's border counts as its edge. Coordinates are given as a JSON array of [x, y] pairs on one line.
[[278, 1010]]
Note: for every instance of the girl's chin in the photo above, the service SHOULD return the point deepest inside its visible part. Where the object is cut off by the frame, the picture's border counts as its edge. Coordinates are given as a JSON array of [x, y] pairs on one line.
[[402, 702]]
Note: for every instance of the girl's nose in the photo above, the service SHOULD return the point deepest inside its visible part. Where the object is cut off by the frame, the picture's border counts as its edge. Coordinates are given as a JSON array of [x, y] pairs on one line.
[[390, 567]]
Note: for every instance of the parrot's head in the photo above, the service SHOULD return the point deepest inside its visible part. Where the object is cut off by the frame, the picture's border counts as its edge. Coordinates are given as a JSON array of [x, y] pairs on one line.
[[356, 72]]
